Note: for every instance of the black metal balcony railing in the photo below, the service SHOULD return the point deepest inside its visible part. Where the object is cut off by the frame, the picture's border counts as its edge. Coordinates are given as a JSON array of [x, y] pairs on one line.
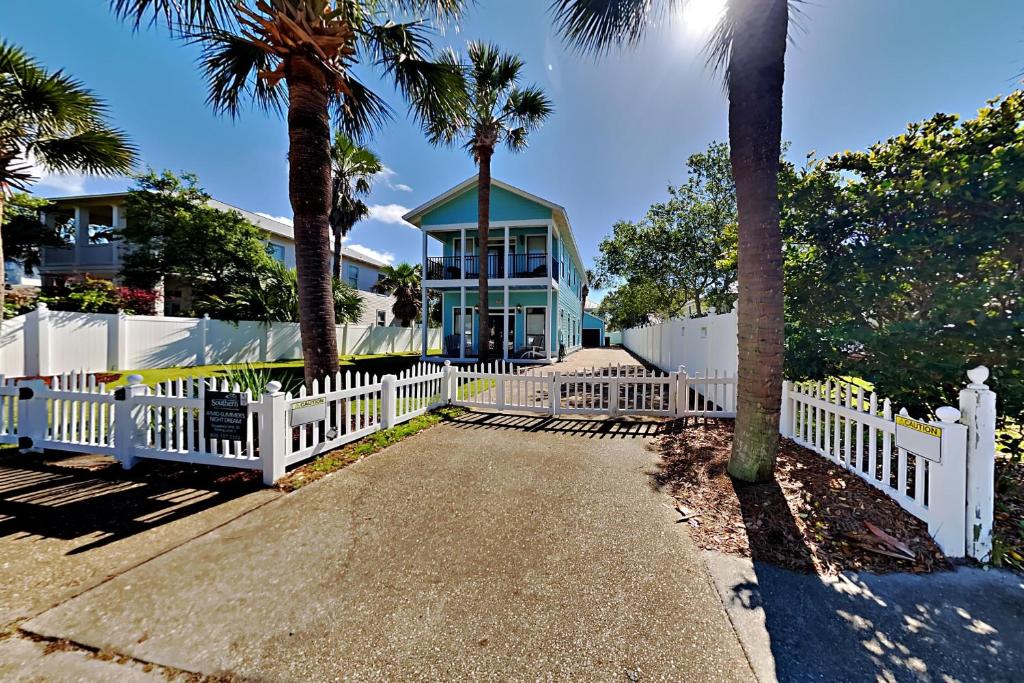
[[528, 265], [520, 266]]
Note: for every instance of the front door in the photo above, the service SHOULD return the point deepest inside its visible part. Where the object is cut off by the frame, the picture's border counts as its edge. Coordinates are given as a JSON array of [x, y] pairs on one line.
[[495, 334]]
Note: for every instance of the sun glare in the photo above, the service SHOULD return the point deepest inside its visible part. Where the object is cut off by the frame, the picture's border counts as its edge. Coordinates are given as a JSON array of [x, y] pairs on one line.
[[699, 17]]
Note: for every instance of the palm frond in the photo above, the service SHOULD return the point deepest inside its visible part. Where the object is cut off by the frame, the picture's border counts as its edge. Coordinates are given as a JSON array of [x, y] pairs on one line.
[[232, 66], [595, 26], [528, 107], [361, 112], [98, 150], [175, 13]]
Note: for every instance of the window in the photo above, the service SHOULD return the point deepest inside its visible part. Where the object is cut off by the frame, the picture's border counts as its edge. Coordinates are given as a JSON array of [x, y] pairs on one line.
[[353, 275], [536, 244], [276, 251], [464, 323], [380, 276], [382, 318]]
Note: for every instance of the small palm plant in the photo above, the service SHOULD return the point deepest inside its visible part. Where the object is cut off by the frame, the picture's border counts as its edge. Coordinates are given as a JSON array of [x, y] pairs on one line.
[[352, 169], [52, 120], [497, 111], [302, 56], [404, 283]]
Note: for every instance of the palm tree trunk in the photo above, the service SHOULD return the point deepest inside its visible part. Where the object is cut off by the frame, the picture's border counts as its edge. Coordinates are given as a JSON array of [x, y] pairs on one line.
[[337, 254], [483, 224], [755, 76], [3, 273], [309, 189]]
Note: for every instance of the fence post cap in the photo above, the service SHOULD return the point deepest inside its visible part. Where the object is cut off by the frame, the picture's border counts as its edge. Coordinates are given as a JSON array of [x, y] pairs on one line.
[[447, 363], [904, 413], [273, 387], [978, 376], [948, 414], [134, 380], [41, 306]]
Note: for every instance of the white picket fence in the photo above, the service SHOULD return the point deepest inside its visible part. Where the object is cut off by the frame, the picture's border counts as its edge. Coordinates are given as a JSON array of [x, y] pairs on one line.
[[856, 429], [45, 342], [609, 391]]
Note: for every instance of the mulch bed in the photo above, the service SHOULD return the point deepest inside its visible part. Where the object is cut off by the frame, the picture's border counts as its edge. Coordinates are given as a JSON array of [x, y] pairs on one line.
[[812, 518], [1008, 549]]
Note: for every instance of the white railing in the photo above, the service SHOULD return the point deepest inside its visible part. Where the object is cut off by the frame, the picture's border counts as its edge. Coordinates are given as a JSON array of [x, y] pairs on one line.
[[611, 391], [8, 411]]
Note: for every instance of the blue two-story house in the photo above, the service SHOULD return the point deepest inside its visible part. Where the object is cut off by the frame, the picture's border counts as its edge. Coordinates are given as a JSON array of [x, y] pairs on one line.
[[536, 276]]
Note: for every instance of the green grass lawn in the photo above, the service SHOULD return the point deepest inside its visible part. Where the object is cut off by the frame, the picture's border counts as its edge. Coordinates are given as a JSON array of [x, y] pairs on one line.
[[375, 364]]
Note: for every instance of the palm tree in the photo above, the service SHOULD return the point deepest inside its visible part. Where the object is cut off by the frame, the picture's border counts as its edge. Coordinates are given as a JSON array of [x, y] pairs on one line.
[[300, 56], [749, 47], [403, 282], [53, 120], [352, 169], [497, 110]]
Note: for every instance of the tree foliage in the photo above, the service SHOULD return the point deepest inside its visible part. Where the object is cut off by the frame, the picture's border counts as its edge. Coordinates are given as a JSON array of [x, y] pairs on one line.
[[24, 235], [683, 250], [905, 262], [172, 231], [403, 282], [271, 295], [352, 169]]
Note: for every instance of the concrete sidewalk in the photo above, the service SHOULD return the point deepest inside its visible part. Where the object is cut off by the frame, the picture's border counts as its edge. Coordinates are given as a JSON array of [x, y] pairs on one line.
[[493, 548], [963, 625]]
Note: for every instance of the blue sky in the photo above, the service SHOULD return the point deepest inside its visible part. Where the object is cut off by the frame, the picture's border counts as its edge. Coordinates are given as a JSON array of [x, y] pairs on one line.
[[623, 125]]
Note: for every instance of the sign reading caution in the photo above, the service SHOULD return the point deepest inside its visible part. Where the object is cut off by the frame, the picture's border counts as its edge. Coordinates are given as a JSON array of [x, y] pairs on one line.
[[919, 438], [309, 410]]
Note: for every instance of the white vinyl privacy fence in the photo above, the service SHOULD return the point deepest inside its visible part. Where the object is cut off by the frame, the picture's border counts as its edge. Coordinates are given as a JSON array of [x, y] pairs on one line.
[[706, 344], [45, 342]]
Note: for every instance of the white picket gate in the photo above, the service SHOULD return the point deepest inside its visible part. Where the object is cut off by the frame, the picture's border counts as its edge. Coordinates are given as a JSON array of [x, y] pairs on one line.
[[611, 391]]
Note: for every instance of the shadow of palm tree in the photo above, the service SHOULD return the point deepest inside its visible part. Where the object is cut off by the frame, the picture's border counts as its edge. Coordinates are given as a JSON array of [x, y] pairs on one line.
[[75, 497]]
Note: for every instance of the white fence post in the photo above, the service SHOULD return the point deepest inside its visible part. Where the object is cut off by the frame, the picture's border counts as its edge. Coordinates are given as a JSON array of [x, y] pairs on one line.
[[555, 392], [129, 420], [449, 383], [273, 433], [32, 415], [388, 399], [682, 391], [118, 346], [947, 485], [37, 354], [204, 336], [786, 412], [978, 413]]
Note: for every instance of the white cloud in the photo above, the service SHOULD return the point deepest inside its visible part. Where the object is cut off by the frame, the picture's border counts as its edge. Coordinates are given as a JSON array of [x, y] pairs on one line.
[[389, 213], [68, 183], [280, 219], [385, 256], [387, 176]]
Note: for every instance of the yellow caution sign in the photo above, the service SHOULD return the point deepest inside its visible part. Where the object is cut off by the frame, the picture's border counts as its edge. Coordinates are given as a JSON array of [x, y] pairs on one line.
[[919, 438]]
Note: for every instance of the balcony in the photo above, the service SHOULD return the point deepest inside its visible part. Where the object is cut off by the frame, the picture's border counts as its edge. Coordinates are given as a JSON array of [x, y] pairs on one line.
[[85, 256], [520, 266]]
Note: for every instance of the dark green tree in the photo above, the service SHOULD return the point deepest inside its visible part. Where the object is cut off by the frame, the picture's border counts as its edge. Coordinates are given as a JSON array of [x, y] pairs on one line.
[[905, 262], [402, 282], [172, 231]]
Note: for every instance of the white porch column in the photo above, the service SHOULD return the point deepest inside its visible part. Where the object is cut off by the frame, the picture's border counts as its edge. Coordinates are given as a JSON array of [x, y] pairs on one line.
[[549, 314], [81, 226], [508, 256], [462, 311], [504, 341], [463, 252], [115, 224], [424, 310]]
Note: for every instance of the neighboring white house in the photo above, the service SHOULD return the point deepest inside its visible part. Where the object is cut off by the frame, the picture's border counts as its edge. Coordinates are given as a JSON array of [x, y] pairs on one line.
[[94, 251]]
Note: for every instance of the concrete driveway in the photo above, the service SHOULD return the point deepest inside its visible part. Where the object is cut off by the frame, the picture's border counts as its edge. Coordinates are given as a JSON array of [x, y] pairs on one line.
[[491, 548]]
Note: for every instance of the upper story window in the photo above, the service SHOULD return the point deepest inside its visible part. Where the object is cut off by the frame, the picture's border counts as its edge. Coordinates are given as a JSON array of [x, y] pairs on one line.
[[276, 251], [353, 275], [382, 318]]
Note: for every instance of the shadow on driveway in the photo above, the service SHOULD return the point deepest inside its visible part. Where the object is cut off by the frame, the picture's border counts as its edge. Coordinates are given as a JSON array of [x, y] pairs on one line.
[[577, 426]]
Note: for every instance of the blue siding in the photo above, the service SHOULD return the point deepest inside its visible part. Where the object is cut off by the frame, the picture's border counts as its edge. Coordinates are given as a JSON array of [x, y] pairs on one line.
[[505, 206], [592, 322]]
